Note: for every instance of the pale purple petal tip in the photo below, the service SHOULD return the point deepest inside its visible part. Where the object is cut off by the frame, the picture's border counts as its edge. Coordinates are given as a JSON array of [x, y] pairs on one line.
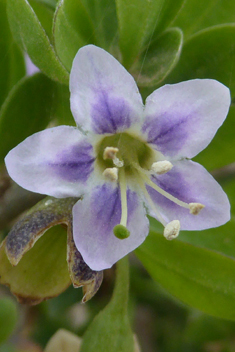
[[57, 162], [104, 96], [94, 218], [181, 119]]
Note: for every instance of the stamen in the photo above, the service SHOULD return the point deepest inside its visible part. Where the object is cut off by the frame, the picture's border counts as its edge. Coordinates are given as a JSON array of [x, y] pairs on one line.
[[172, 230], [110, 153], [161, 167], [153, 206], [111, 173], [165, 194], [195, 208]]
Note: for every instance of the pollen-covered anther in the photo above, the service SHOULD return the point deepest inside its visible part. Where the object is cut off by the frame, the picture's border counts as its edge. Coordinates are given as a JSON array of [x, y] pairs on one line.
[[172, 230], [111, 153], [161, 167], [111, 173], [195, 208]]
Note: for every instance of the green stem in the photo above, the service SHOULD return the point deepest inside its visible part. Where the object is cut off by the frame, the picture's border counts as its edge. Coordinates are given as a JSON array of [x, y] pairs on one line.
[[121, 289]]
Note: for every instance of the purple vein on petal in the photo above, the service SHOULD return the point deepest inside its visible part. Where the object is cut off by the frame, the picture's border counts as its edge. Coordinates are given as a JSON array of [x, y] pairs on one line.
[[74, 164], [109, 113], [169, 133]]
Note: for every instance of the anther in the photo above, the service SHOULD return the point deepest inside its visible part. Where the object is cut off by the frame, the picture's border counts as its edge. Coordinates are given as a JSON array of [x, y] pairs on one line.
[[111, 173], [195, 208], [110, 153], [172, 230], [161, 167]]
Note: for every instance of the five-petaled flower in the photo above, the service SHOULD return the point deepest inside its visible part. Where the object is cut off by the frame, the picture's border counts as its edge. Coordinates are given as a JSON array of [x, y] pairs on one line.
[[127, 160]]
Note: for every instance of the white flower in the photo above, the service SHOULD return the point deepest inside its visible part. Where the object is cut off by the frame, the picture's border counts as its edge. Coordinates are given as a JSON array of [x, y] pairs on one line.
[[113, 158]]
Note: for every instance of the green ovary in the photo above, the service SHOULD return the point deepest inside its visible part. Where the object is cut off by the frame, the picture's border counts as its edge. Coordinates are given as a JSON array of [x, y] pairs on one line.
[[132, 151]]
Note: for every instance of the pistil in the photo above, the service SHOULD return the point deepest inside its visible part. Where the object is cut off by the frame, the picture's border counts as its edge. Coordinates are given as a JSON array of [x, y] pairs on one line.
[[120, 231]]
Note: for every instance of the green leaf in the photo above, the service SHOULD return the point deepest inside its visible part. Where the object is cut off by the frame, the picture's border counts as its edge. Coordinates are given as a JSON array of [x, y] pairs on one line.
[[29, 33], [168, 13], [50, 3], [136, 19], [110, 330], [199, 14], [222, 145], [199, 277], [42, 272], [72, 29], [208, 54], [12, 67], [8, 318], [104, 19], [157, 61], [26, 110], [61, 105], [140, 21], [45, 16]]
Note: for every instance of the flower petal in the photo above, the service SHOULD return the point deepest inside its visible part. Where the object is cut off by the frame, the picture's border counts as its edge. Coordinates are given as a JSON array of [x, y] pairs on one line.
[[104, 96], [190, 182], [93, 220], [56, 162], [181, 119]]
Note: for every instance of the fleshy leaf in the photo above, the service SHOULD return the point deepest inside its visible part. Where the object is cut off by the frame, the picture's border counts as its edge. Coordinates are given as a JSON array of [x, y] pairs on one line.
[[12, 67], [50, 3], [135, 18], [104, 19], [28, 230], [44, 15], [29, 33], [203, 56], [26, 110], [197, 276], [61, 105], [42, 273], [198, 14], [24, 234], [72, 29], [8, 318], [110, 330], [168, 13], [138, 21], [157, 61], [80, 273]]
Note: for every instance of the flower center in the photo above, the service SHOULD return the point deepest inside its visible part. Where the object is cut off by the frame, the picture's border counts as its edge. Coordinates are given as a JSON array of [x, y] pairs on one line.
[[126, 158], [126, 149]]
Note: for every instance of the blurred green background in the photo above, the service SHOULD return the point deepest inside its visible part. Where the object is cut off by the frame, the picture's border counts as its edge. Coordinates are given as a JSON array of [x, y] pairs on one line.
[[182, 294]]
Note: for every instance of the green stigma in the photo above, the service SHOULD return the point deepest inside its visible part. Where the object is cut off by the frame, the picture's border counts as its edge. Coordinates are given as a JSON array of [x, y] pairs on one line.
[[121, 232]]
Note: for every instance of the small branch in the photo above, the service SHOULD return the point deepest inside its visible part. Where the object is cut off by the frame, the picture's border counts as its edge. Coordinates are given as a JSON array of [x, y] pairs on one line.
[[225, 172]]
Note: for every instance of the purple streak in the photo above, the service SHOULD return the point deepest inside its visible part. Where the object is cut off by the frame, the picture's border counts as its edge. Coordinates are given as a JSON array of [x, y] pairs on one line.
[[75, 164]]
